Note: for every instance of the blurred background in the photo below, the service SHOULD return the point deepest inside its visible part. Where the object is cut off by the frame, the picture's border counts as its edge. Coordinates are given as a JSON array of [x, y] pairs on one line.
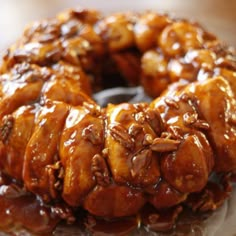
[[218, 16]]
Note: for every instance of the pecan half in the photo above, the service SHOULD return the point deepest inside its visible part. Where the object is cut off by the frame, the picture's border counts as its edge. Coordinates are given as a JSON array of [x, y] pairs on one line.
[[154, 119], [164, 145], [141, 161], [185, 97], [191, 100], [22, 68], [100, 170], [46, 38], [90, 133], [54, 185], [166, 135], [171, 103], [148, 139], [135, 130], [54, 55], [6, 127], [175, 132], [20, 55], [228, 62], [140, 117], [201, 124], [190, 118], [70, 28], [120, 134]]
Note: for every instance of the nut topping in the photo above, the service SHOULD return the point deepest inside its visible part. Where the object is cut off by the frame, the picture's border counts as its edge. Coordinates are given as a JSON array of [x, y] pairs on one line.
[[148, 139], [119, 133], [201, 124], [135, 129], [46, 38], [172, 103], [100, 170], [155, 121], [140, 117], [190, 118], [164, 145], [90, 133], [6, 126], [141, 161], [175, 132]]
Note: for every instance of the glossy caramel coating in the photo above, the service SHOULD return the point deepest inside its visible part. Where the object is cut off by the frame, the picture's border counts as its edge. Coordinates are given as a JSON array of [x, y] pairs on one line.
[[81, 139], [64, 148], [130, 161]]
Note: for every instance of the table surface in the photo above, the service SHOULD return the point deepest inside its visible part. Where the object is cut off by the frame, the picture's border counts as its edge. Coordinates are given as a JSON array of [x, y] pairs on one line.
[[218, 16]]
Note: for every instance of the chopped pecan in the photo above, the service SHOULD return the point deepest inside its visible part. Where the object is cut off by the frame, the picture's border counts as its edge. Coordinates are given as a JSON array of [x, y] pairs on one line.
[[164, 145], [90, 133], [135, 129], [141, 161], [54, 55], [201, 124], [46, 38], [175, 132], [140, 107], [228, 62], [21, 55], [70, 28], [190, 99], [140, 117], [32, 76], [56, 173], [154, 119], [6, 127], [185, 97], [166, 135], [53, 186], [22, 68], [148, 139], [120, 134], [190, 118], [172, 103], [100, 170]]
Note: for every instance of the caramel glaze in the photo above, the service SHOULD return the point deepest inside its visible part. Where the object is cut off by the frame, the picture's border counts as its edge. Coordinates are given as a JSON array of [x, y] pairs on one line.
[[59, 146]]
